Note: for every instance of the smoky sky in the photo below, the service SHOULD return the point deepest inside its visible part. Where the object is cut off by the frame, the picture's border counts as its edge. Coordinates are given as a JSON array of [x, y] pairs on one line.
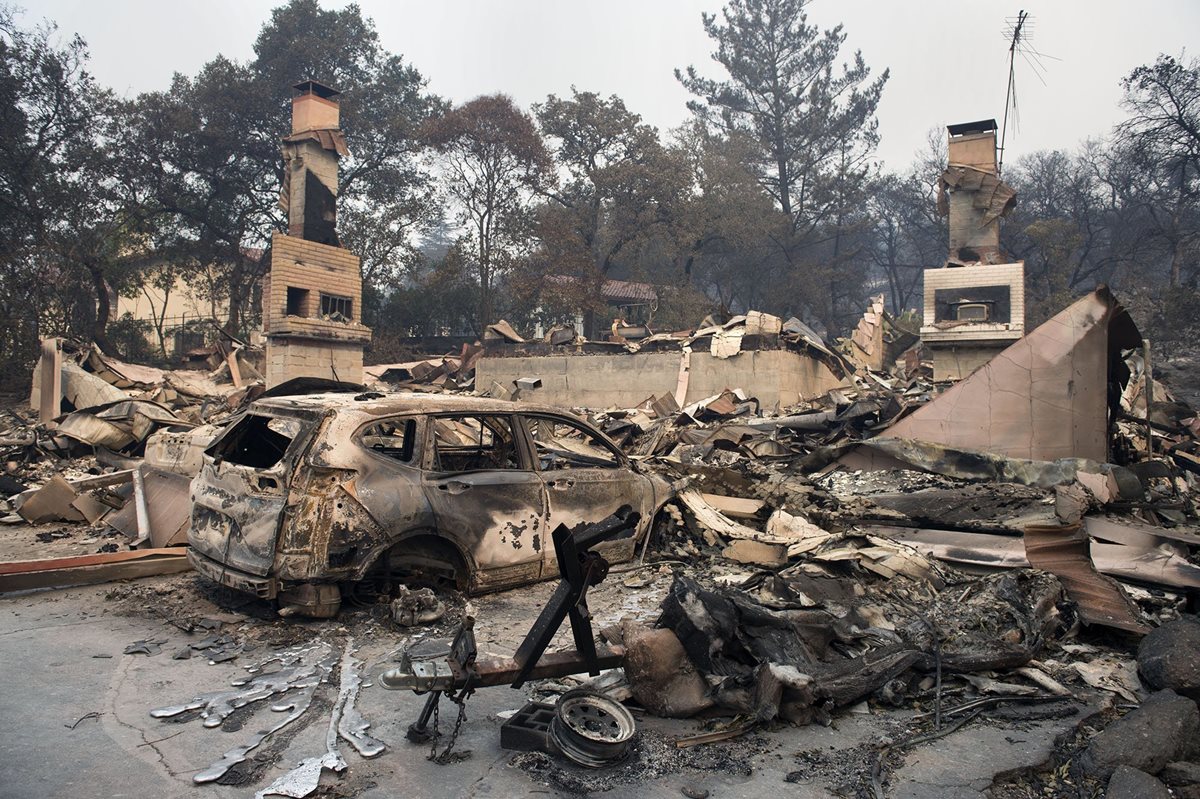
[[948, 58]]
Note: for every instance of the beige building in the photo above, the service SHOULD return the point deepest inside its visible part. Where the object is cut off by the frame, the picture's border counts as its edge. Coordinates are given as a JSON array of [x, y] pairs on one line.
[[179, 312]]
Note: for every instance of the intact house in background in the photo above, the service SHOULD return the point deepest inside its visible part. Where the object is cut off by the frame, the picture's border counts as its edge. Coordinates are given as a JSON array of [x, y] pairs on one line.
[[974, 305], [312, 297], [626, 301]]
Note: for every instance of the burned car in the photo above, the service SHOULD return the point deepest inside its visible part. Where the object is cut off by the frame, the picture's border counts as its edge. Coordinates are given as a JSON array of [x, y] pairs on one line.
[[305, 498]]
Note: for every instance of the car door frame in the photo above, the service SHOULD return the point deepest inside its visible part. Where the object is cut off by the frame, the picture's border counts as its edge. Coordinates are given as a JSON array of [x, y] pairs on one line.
[[249, 505], [484, 550], [402, 510], [615, 550]]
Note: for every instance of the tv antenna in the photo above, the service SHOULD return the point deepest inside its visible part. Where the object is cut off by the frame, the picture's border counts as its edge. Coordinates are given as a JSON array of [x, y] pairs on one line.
[[1018, 31]]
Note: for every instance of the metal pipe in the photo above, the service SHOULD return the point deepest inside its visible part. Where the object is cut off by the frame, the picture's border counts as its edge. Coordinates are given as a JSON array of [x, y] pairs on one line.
[[502, 671], [418, 731], [139, 505], [1148, 373]]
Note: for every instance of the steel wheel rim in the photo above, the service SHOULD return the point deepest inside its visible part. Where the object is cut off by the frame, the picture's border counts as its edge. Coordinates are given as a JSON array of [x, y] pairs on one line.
[[591, 729]]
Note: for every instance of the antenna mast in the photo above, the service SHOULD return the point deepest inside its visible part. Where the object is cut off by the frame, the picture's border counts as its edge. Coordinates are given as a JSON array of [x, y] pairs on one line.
[[1011, 97]]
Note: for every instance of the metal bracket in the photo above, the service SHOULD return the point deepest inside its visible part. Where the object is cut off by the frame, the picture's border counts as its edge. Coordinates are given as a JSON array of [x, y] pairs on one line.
[[461, 672], [460, 664]]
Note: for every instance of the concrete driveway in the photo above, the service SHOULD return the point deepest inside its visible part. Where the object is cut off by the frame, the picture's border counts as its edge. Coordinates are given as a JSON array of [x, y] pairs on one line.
[[78, 725]]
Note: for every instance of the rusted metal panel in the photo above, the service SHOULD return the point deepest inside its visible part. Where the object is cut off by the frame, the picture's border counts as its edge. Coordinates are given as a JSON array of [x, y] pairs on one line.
[[502, 671], [1063, 551], [90, 569]]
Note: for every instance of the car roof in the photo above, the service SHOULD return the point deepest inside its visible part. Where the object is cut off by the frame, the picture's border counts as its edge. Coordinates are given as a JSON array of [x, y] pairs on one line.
[[374, 404]]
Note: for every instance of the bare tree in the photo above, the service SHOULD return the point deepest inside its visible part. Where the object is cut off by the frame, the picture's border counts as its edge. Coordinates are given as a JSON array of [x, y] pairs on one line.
[[1163, 138], [494, 160]]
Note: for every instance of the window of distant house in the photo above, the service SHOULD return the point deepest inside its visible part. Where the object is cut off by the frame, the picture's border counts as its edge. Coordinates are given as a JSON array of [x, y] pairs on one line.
[[297, 301], [973, 312], [340, 309]]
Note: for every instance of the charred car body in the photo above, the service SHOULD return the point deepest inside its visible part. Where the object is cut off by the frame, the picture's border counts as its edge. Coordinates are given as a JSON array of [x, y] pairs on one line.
[[305, 496]]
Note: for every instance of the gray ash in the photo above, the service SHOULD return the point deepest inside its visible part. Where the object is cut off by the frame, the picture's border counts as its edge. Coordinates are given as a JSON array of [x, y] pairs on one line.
[[652, 756]]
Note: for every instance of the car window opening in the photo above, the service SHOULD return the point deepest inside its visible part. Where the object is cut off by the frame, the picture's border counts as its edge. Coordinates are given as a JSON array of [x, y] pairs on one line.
[[471, 443], [257, 441], [562, 445], [393, 438]]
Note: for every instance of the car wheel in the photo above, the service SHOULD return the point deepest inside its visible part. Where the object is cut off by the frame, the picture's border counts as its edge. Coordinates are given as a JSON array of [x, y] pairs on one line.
[[416, 563]]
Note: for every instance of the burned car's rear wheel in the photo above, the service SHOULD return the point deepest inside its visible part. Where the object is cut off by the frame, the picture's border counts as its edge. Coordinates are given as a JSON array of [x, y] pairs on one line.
[[421, 562]]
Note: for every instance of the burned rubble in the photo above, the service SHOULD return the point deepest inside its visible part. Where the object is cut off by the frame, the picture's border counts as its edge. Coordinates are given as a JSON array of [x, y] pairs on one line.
[[812, 561], [950, 526]]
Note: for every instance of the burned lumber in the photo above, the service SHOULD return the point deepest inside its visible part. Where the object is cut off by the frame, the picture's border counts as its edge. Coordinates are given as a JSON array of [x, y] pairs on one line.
[[103, 567]]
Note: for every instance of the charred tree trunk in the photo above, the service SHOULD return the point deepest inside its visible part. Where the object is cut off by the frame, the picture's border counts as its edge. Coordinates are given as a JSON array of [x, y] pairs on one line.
[[1176, 261], [103, 307], [237, 297], [241, 283]]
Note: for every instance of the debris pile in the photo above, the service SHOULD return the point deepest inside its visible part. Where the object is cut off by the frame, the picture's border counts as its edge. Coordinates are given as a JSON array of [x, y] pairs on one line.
[[444, 373], [113, 445], [1004, 541], [798, 648]]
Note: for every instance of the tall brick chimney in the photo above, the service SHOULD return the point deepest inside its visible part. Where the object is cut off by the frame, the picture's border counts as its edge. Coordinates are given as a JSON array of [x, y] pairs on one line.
[[312, 297], [310, 155], [975, 312], [971, 193]]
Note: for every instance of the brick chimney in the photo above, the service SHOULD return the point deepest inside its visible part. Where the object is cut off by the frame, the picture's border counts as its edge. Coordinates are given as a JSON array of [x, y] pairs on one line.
[[971, 193], [310, 154], [972, 313], [312, 296], [314, 107]]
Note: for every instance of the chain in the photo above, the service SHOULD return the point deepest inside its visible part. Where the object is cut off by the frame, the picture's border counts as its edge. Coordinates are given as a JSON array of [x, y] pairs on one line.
[[436, 734], [445, 756]]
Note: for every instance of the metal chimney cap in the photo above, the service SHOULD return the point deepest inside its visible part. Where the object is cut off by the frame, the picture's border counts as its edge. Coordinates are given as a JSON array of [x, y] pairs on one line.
[[311, 86], [964, 128]]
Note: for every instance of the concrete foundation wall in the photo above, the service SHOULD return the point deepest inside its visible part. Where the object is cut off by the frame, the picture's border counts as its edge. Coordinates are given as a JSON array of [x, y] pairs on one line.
[[622, 381]]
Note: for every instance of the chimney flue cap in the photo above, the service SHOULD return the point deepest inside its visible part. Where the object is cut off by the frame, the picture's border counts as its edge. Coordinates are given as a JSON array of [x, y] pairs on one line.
[[966, 128], [311, 86]]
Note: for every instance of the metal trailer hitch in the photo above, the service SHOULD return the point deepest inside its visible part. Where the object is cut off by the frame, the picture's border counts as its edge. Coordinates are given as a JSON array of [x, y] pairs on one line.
[[461, 672]]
